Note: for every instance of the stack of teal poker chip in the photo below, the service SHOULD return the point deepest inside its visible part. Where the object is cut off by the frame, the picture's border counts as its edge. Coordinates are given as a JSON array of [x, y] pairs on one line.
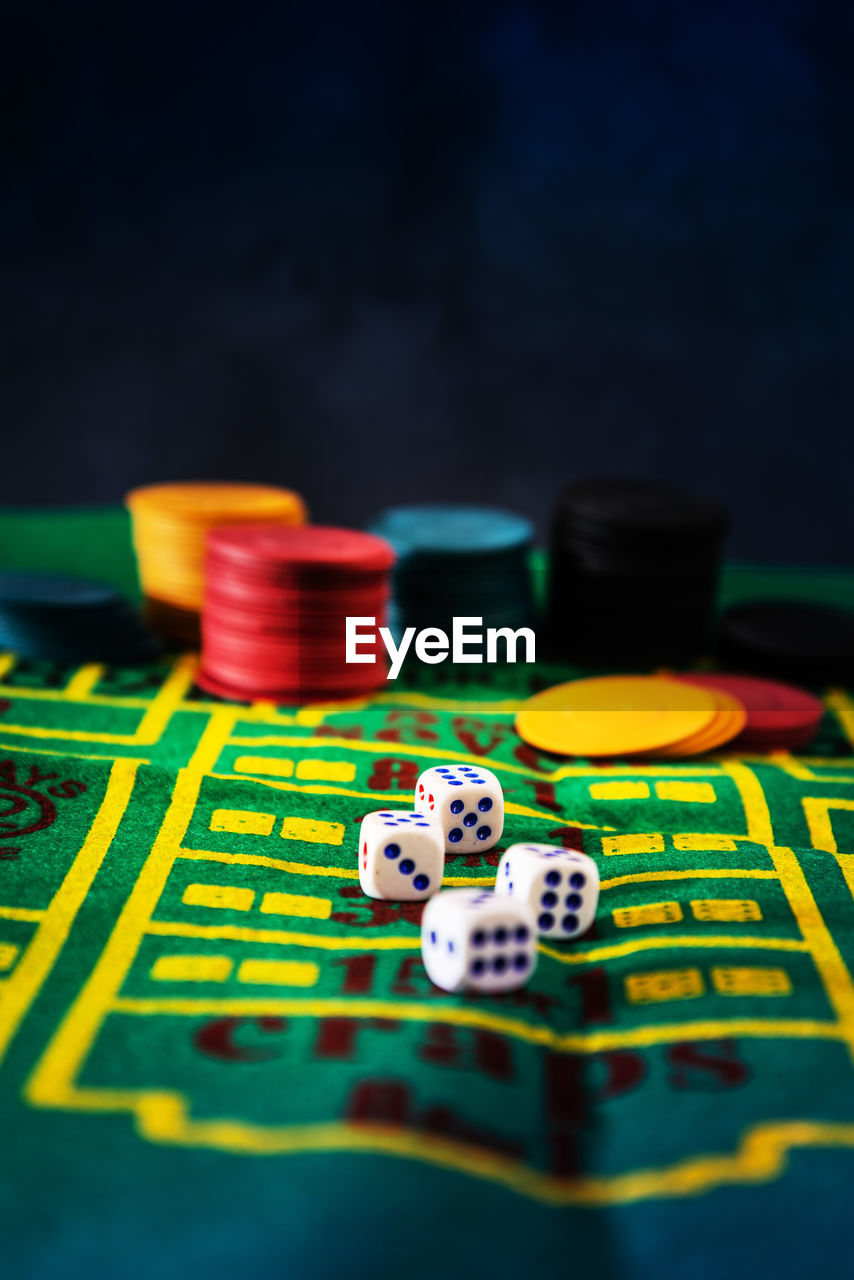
[[70, 620], [458, 561]]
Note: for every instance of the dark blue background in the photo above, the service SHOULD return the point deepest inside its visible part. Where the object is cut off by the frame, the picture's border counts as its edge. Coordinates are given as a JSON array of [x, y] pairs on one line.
[[392, 251]]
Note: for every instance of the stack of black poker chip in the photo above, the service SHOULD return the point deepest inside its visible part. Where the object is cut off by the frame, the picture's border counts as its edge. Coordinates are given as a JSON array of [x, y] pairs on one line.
[[633, 573], [789, 640]]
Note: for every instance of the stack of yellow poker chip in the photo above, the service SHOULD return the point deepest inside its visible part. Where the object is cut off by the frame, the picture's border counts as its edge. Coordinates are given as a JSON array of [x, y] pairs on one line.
[[170, 523], [629, 716]]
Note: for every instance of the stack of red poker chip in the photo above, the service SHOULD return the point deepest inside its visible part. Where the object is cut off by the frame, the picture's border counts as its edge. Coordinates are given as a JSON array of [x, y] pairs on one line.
[[276, 601], [780, 717]]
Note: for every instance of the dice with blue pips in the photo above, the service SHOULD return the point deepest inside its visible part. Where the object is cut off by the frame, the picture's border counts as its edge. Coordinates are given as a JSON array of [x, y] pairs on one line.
[[561, 887], [467, 802], [401, 855], [473, 940]]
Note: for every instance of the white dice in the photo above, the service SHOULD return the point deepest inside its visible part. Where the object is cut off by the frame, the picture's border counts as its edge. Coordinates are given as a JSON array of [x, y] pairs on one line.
[[466, 801], [474, 940], [401, 855], [560, 887]]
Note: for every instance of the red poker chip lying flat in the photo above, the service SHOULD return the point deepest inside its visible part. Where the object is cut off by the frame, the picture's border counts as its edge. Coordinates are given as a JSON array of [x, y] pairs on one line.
[[777, 714], [302, 546]]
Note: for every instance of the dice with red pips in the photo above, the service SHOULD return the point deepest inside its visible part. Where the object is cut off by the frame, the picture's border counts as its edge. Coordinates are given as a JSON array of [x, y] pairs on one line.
[[561, 887], [467, 802], [401, 855], [473, 940]]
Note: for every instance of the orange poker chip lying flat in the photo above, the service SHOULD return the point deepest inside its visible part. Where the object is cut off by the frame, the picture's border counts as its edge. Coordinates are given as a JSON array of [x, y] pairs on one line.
[[615, 715], [727, 723]]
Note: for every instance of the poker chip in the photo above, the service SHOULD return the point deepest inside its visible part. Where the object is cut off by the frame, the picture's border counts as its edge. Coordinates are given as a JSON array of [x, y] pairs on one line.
[[170, 523], [615, 715], [275, 607], [808, 643], [70, 620], [458, 561], [777, 716], [633, 573], [728, 721]]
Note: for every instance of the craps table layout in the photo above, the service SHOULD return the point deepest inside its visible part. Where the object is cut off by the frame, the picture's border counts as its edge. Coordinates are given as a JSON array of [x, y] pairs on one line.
[[216, 1052]]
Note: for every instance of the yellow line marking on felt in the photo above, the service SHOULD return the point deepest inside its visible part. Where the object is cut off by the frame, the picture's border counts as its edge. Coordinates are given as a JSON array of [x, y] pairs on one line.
[[70, 755], [486, 762], [81, 684], [686, 792], [282, 973], [384, 942], [185, 968], [155, 718], [843, 708], [29, 914], [326, 770], [167, 700], [395, 797], [52, 1083], [244, 822], [647, 913], [281, 937], [733, 981], [275, 864], [120, 703], [787, 762], [611, 951], [213, 739], [313, 831], [817, 813], [228, 897], [664, 985], [725, 910], [70, 735], [351, 873], [472, 1016], [642, 842], [619, 790], [832, 969], [760, 1156], [56, 921], [9, 952], [306, 770], [703, 873], [296, 904], [308, 868], [163, 1117], [263, 764], [759, 827], [698, 842]]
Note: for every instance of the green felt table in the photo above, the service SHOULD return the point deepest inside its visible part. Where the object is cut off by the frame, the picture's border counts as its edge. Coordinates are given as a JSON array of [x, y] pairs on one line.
[[216, 1053]]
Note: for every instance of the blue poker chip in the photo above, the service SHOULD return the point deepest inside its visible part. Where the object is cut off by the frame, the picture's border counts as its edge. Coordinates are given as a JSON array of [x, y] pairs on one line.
[[48, 591], [452, 530], [70, 621], [458, 561]]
